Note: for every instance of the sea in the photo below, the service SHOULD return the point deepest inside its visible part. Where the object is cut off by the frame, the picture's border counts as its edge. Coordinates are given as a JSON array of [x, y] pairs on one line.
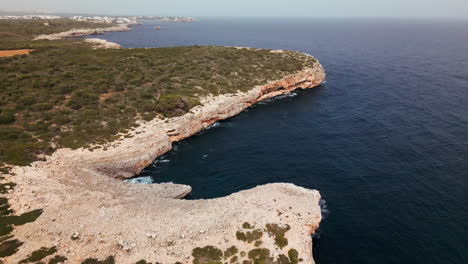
[[384, 140]]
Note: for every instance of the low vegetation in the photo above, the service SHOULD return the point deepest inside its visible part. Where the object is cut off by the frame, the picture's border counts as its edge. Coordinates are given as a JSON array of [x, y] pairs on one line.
[[207, 255], [249, 236], [17, 34], [214, 255], [278, 233], [293, 256], [65, 94], [230, 252]]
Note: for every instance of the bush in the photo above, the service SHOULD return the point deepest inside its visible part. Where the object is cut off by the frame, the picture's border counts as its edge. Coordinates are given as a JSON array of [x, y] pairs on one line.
[[81, 99], [41, 107], [208, 254], [7, 118], [293, 256], [27, 100]]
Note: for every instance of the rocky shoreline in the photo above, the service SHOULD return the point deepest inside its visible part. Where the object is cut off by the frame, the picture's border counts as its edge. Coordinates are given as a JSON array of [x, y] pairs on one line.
[[89, 212], [102, 43], [116, 162], [97, 43], [75, 33]]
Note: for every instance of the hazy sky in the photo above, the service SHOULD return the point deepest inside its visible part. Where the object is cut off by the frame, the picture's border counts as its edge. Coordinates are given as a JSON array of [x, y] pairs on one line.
[[308, 8]]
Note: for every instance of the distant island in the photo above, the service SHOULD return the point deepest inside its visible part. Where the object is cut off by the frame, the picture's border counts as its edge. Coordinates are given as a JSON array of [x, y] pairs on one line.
[[77, 116]]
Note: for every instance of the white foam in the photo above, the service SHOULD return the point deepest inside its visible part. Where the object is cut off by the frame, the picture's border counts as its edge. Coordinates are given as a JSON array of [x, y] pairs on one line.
[[141, 180], [324, 208], [214, 125]]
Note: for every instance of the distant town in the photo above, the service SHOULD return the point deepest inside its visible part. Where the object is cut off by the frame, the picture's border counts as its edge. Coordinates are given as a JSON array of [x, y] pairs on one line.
[[105, 19]]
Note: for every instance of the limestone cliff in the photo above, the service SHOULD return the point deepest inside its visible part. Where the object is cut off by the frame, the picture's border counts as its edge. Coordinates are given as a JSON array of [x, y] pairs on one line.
[[107, 217], [154, 138]]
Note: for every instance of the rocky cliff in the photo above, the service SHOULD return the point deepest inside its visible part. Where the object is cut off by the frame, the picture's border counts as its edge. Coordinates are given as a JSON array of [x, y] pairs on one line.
[[152, 139], [89, 213]]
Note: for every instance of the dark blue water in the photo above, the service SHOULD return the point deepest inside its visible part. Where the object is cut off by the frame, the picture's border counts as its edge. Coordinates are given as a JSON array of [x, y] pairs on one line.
[[385, 141]]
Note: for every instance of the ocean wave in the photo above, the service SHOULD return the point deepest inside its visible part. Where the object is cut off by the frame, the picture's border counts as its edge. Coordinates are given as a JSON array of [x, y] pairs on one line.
[[214, 125], [325, 212], [141, 180], [324, 208], [278, 97]]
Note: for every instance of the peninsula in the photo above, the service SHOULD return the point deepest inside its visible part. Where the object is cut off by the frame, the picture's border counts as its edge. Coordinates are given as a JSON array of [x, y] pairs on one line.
[[74, 121]]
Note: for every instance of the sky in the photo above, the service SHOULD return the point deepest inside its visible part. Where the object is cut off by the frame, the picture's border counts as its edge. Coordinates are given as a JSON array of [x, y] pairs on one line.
[[455, 9]]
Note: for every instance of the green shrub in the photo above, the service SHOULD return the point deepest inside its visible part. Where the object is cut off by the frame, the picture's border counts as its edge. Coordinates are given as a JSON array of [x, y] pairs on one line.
[[249, 236], [81, 99], [278, 233], [282, 259], [260, 255], [293, 256], [208, 254], [41, 107], [246, 225], [7, 118], [230, 252]]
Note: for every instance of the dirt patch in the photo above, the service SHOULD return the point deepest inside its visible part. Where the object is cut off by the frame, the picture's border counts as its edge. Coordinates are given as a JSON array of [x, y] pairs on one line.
[[104, 96], [9, 53]]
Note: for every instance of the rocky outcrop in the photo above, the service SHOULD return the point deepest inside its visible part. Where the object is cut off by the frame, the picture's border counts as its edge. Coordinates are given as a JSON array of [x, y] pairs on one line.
[[102, 43], [87, 212], [83, 32]]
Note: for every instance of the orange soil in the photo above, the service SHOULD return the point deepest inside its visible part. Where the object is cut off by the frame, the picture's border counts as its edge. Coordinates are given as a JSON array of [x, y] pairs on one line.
[[9, 53], [104, 96]]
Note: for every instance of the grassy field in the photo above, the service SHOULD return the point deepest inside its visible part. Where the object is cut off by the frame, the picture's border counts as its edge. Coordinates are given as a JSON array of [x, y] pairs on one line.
[[65, 94]]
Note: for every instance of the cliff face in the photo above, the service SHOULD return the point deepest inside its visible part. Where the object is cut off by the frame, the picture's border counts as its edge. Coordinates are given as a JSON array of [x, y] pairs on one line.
[[269, 224], [154, 138]]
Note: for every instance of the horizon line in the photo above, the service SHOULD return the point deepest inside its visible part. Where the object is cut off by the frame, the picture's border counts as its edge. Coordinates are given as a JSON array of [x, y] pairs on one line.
[[17, 12]]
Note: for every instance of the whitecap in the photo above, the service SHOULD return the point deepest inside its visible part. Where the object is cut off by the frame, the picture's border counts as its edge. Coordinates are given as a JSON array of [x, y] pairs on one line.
[[215, 124], [141, 180], [324, 208]]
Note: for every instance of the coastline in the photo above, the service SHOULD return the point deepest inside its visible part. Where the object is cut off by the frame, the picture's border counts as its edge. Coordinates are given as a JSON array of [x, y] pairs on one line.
[[81, 193], [75, 33], [128, 157], [97, 43]]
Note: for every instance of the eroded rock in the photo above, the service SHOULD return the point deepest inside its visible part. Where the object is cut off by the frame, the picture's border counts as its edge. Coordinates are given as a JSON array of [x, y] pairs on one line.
[[79, 189]]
